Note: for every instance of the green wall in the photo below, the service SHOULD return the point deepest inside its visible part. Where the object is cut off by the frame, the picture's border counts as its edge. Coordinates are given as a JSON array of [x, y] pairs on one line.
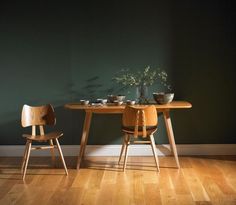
[[62, 52]]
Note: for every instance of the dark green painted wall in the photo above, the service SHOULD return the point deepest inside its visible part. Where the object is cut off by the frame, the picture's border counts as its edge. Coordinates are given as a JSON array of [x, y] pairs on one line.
[[62, 52]]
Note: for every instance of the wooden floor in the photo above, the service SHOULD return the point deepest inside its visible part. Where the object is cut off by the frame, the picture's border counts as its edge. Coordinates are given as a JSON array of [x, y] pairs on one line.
[[201, 180]]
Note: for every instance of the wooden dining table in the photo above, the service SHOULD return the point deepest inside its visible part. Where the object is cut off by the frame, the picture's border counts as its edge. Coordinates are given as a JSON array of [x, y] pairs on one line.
[[111, 108]]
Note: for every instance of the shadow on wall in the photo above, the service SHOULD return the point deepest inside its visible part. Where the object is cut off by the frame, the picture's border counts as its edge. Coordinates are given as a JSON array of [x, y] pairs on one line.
[[105, 129], [93, 88], [70, 122]]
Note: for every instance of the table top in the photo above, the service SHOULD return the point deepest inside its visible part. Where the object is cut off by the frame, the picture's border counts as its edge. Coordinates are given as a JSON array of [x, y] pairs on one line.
[[112, 108]]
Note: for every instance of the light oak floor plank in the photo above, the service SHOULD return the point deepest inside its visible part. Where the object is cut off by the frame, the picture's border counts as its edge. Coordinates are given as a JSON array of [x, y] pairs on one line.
[[100, 181]]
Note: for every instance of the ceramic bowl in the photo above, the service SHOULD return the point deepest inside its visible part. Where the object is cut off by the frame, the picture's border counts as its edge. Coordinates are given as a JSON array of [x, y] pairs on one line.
[[163, 98], [84, 102], [103, 101], [117, 102], [113, 98], [130, 102]]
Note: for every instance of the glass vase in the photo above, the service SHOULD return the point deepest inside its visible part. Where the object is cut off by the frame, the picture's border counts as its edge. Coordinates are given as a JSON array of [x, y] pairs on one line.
[[142, 94]]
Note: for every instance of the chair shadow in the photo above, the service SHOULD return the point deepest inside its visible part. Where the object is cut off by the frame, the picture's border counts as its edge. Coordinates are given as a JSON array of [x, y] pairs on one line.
[[114, 166], [10, 167]]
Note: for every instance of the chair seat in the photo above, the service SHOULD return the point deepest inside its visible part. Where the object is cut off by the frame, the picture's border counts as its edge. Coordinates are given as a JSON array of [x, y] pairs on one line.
[[48, 136], [130, 130]]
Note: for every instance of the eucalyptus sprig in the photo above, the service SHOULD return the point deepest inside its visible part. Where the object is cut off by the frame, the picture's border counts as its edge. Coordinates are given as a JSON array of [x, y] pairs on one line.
[[147, 76]]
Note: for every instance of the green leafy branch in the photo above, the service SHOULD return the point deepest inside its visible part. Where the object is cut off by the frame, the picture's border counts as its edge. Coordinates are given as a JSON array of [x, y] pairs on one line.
[[147, 77]]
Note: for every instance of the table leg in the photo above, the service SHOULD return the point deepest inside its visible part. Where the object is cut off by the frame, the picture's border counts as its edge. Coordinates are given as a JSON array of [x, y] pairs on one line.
[[84, 138], [170, 134]]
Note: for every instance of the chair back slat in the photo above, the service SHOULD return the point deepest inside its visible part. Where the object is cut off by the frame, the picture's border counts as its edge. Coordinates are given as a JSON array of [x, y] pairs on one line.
[[140, 118], [41, 130], [136, 123], [37, 116], [144, 124], [33, 130]]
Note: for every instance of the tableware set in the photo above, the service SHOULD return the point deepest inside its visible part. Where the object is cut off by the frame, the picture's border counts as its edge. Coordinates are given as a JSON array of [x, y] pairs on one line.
[[159, 97]]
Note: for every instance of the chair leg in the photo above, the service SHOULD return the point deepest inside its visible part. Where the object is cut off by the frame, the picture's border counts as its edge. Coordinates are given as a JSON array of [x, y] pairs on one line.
[[52, 152], [127, 141], [122, 148], [153, 145], [24, 156], [27, 159], [61, 155]]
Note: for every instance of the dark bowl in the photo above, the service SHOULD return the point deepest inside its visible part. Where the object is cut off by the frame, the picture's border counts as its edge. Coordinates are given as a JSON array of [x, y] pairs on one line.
[[163, 98], [113, 98]]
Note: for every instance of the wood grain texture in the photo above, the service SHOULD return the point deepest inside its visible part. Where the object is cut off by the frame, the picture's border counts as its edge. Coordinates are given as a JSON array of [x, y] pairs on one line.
[[199, 181], [111, 108]]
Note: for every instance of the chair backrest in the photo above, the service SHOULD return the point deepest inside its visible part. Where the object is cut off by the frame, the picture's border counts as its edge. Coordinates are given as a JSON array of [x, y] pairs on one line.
[[37, 116], [140, 117]]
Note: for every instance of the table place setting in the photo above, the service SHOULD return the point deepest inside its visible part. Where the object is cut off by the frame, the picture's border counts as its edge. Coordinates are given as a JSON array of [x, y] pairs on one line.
[[111, 100]]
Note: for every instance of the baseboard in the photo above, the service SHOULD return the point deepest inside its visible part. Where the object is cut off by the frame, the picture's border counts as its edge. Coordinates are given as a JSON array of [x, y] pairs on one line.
[[135, 150]]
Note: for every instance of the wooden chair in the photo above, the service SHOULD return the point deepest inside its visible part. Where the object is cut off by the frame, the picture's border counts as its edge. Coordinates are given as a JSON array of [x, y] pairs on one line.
[[39, 116], [139, 121]]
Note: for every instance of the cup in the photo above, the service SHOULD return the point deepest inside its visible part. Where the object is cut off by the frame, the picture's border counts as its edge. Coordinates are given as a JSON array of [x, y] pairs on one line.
[[84, 102], [117, 102], [130, 102], [103, 101]]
